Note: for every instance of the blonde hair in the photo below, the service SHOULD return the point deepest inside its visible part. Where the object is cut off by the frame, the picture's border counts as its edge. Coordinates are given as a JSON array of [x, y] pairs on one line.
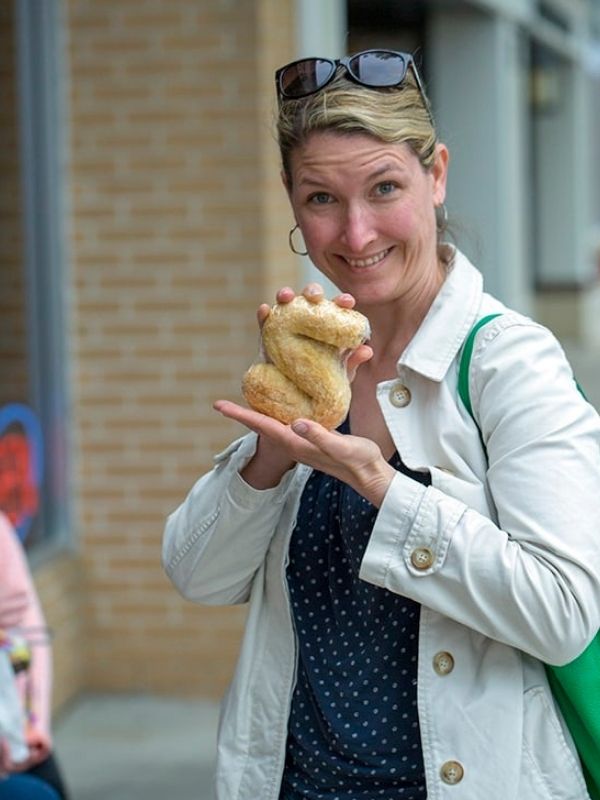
[[393, 115]]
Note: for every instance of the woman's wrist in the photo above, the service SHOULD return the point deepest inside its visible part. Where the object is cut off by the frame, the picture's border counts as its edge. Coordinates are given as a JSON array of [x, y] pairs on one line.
[[267, 466], [373, 481]]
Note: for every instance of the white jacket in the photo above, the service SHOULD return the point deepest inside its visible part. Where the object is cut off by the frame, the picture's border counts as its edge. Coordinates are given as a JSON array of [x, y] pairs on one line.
[[504, 558]]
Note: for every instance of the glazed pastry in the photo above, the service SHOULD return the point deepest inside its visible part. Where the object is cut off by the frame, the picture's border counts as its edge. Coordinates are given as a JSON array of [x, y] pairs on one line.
[[304, 373]]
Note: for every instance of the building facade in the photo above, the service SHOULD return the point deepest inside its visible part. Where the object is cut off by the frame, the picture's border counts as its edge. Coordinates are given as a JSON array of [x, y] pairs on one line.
[[143, 220]]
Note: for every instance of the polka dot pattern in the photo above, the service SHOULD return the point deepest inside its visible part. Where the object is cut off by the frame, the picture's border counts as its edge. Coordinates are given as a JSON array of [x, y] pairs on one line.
[[353, 728]]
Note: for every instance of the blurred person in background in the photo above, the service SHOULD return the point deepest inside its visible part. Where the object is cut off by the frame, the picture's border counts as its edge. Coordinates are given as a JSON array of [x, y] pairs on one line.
[[409, 573], [24, 642]]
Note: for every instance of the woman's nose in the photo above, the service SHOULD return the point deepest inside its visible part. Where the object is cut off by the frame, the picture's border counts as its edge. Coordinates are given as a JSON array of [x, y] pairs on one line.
[[358, 230]]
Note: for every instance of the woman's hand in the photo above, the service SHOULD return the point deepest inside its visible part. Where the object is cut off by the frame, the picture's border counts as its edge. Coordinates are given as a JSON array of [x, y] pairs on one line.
[[39, 746], [274, 457], [353, 459]]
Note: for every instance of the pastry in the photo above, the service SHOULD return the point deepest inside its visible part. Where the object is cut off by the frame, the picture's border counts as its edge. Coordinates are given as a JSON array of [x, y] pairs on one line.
[[304, 372]]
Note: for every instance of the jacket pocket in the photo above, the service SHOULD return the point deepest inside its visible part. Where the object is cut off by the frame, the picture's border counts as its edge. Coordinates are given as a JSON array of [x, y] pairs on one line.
[[550, 770]]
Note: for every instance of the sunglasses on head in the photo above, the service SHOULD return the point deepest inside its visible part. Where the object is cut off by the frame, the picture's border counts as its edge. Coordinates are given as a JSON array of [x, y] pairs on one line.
[[375, 69]]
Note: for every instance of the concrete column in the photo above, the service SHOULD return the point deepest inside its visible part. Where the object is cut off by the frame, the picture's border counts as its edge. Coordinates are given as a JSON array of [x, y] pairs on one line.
[[322, 29], [560, 156], [478, 87]]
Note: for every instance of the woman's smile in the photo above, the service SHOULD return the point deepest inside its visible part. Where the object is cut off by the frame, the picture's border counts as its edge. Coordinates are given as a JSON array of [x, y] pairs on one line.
[[367, 261]]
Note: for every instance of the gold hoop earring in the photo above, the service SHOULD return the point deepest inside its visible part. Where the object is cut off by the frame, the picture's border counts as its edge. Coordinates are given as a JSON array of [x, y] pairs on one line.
[[291, 242], [441, 217]]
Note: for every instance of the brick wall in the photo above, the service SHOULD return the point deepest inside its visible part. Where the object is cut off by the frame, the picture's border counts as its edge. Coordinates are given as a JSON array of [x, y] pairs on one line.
[[179, 231], [63, 597]]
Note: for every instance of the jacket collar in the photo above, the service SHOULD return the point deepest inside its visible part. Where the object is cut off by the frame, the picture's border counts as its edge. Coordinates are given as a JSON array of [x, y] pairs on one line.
[[445, 327]]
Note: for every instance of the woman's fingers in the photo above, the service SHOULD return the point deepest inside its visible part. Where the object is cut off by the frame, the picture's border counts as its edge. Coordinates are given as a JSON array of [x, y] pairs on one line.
[[284, 435], [285, 295], [355, 358], [254, 420], [345, 300], [301, 439], [313, 292], [263, 312]]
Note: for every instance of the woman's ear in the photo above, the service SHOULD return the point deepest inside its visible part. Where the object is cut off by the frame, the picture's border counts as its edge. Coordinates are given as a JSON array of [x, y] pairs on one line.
[[439, 173]]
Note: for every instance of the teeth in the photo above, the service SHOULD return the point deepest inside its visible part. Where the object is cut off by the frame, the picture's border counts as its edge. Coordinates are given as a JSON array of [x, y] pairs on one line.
[[367, 262]]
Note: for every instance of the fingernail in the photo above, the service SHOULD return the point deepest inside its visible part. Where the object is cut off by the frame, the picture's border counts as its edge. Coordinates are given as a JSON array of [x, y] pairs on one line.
[[299, 427], [313, 291]]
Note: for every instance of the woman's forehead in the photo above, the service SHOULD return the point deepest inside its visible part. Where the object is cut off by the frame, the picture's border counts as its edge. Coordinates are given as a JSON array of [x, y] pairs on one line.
[[355, 152]]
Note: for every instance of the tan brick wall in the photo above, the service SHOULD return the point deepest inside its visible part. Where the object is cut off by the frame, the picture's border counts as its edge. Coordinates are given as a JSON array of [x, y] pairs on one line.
[[179, 231], [62, 594]]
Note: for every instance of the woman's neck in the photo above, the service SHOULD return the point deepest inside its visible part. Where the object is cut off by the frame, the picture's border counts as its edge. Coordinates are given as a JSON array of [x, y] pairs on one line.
[[394, 324]]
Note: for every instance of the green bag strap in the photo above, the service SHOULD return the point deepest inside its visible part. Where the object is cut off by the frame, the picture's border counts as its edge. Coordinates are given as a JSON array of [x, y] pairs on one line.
[[465, 362]]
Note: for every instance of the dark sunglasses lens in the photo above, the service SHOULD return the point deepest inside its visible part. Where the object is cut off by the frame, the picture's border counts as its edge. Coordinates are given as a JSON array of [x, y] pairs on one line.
[[379, 68], [305, 77]]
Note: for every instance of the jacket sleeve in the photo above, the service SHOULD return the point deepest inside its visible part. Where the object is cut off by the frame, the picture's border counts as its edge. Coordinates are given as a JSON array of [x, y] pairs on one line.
[[13, 589], [215, 542], [531, 577], [18, 592]]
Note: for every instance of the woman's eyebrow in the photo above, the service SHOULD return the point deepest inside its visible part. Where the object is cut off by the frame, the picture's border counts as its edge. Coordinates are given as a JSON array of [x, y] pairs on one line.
[[308, 181], [384, 169]]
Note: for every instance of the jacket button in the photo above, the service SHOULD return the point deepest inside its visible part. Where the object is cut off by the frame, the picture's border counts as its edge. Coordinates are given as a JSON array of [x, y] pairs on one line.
[[443, 663], [421, 558], [399, 395], [452, 772]]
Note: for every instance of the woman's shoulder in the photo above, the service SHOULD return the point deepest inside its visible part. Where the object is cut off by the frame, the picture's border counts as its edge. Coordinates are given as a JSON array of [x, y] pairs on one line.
[[508, 326], [515, 360]]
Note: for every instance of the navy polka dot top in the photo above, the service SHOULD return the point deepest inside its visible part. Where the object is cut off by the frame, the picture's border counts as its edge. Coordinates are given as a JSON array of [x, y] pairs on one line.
[[353, 728]]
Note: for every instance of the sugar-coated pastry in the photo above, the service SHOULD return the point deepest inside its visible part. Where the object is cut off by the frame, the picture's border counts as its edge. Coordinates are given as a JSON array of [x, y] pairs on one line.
[[304, 374]]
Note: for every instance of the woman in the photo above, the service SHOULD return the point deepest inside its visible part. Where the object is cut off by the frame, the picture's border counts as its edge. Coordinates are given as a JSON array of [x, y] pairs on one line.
[[23, 635], [404, 583]]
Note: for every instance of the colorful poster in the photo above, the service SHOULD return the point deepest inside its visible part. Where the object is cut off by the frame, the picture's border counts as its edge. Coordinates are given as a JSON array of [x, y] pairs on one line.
[[21, 459]]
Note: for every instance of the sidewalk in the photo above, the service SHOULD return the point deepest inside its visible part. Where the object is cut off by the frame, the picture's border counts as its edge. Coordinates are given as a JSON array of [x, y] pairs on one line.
[[137, 747]]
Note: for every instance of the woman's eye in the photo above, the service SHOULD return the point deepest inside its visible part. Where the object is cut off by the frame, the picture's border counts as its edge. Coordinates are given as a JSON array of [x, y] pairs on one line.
[[320, 198], [387, 187]]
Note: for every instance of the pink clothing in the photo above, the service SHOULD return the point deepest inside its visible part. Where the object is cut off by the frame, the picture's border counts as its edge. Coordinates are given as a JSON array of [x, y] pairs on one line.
[[20, 608]]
